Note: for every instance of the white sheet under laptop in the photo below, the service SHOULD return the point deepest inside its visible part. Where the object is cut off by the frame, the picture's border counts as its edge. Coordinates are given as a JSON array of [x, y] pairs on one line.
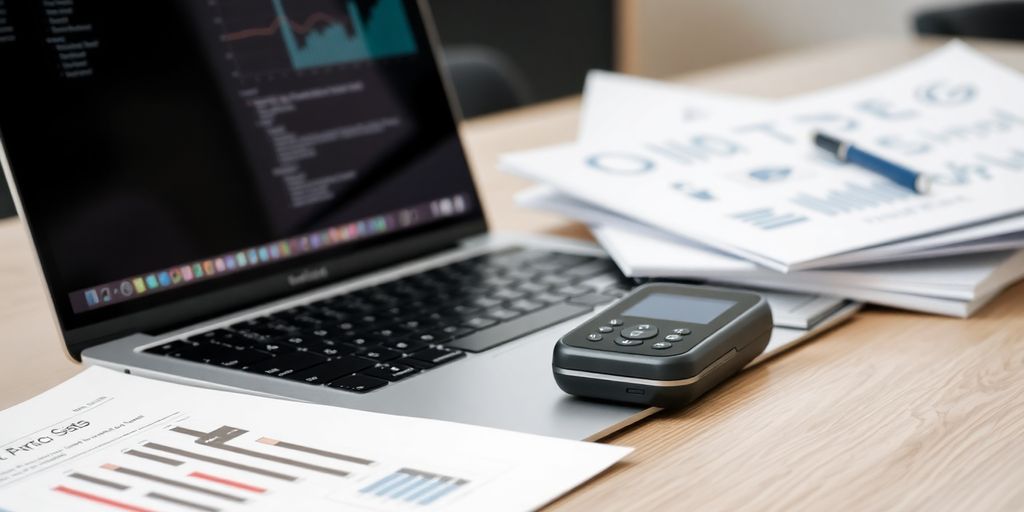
[[954, 286], [757, 189]]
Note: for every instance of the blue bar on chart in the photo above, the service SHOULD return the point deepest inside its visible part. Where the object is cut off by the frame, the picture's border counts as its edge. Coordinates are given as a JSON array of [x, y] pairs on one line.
[[853, 197], [414, 486]]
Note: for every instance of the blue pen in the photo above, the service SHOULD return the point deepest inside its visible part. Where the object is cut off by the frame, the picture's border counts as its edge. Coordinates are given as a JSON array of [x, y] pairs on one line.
[[847, 152]]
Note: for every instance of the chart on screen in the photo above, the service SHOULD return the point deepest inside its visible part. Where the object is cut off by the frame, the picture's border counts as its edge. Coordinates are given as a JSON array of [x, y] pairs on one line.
[[273, 35]]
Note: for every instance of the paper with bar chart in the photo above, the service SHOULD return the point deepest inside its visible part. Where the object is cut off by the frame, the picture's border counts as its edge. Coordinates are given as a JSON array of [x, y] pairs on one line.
[[753, 186], [108, 441]]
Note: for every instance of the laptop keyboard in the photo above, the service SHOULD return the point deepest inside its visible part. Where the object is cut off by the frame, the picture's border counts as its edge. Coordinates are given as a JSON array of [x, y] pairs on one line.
[[370, 338]]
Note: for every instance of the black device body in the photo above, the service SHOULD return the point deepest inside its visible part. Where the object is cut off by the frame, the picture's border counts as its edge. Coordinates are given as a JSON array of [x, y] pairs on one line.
[[663, 345]]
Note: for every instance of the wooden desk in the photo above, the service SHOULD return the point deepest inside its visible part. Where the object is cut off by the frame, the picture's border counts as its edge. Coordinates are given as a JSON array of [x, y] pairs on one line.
[[892, 410]]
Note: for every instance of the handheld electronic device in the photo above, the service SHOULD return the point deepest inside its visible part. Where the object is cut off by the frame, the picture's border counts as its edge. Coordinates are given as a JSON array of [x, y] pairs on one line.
[[663, 344]]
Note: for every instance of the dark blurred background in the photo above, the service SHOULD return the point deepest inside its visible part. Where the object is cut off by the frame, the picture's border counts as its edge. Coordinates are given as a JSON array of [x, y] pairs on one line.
[[502, 54]]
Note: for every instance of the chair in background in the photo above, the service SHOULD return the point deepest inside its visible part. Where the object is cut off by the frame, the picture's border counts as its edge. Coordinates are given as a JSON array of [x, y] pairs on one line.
[[998, 20], [484, 80]]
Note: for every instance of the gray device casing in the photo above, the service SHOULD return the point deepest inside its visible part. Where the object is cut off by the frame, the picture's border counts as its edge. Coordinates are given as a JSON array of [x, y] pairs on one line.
[[664, 381]]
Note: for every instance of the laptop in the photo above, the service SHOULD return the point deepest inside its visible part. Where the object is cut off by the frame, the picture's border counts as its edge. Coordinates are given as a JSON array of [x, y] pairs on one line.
[[270, 197]]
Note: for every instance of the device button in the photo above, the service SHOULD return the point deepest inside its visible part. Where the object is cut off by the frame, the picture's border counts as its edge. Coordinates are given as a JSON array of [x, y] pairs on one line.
[[673, 337], [605, 329], [639, 332], [628, 343], [682, 331], [661, 345], [615, 321], [594, 337]]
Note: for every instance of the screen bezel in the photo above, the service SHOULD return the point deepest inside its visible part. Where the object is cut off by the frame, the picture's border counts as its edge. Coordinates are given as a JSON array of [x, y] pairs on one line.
[[264, 288]]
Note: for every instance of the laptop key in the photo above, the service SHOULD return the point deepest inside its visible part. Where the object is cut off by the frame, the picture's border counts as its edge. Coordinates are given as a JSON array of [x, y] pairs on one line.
[[480, 322], [331, 370], [378, 353], [390, 371], [286, 364], [405, 346], [358, 383], [273, 348]]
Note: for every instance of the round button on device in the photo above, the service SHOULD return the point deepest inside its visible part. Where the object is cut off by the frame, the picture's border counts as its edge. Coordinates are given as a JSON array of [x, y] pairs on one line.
[[673, 337], [661, 345], [639, 332], [594, 337], [605, 329], [628, 343], [614, 321], [683, 331]]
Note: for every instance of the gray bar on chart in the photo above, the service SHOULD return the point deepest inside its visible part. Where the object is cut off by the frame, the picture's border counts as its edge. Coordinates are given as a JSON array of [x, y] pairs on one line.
[[314, 451], [99, 481], [154, 458], [221, 462], [280, 460], [181, 502]]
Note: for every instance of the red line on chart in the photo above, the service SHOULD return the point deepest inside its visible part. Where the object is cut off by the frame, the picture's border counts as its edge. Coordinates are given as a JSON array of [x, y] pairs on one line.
[[300, 28], [100, 499], [225, 481]]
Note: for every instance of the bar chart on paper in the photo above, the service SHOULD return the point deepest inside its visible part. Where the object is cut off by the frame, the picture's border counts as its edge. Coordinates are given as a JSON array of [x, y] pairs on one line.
[[190, 465], [298, 35]]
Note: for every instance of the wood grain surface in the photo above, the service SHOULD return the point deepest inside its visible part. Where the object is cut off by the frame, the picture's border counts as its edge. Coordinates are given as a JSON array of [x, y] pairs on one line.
[[891, 411]]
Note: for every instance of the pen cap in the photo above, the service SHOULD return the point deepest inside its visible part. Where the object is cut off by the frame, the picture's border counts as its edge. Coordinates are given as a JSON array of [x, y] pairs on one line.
[[830, 144]]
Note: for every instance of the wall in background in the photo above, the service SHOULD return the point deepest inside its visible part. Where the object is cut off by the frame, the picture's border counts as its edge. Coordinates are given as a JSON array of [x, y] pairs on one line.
[[666, 37]]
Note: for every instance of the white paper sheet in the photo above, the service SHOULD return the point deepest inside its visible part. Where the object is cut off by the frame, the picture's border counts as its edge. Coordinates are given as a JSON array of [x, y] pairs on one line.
[[757, 189], [954, 286], [104, 440]]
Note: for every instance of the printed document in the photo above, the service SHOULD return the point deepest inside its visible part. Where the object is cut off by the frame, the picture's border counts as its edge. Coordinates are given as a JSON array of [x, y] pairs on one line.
[[105, 441], [756, 187]]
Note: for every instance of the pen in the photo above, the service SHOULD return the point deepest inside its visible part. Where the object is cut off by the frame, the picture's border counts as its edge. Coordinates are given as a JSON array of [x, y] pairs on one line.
[[847, 152]]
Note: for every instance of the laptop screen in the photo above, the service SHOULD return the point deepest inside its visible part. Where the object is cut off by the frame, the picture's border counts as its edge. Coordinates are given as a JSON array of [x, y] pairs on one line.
[[166, 149]]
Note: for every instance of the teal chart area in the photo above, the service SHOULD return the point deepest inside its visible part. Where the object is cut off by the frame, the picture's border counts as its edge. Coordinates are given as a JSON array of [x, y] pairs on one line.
[[266, 36]]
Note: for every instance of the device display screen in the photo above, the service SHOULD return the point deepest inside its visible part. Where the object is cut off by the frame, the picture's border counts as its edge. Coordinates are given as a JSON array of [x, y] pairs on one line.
[[680, 308], [196, 144]]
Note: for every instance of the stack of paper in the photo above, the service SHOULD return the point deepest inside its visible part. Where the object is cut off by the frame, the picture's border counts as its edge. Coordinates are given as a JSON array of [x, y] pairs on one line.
[[688, 184]]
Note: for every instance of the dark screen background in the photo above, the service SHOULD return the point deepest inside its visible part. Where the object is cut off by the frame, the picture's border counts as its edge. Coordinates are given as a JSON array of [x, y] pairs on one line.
[[158, 156]]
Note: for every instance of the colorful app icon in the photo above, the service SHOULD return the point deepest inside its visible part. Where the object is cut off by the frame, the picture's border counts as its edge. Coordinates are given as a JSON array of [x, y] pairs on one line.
[[253, 256], [220, 265], [151, 282], [241, 260], [139, 284], [286, 248], [275, 251], [208, 267], [176, 276], [264, 254], [230, 262], [91, 298], [126, 289], [164, 278], [105, 294], [186, 272], [197, 270]]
